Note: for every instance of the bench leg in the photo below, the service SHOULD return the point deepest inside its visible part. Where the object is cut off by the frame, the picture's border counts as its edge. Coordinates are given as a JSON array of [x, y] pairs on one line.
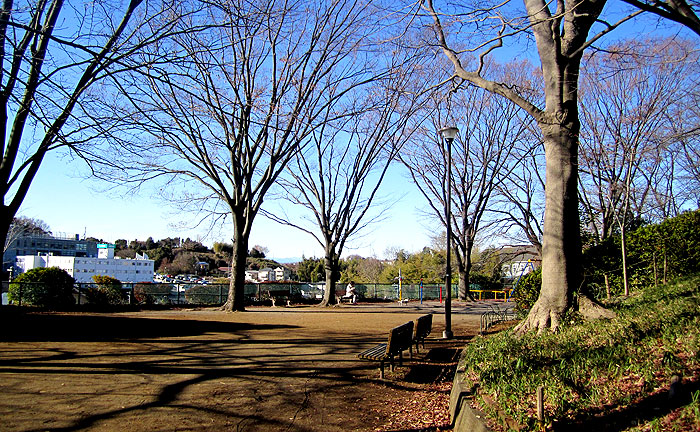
[[381, 369]]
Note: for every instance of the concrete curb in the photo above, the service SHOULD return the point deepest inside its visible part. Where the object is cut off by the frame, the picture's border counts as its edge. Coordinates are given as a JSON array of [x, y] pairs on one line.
[[464, 418]]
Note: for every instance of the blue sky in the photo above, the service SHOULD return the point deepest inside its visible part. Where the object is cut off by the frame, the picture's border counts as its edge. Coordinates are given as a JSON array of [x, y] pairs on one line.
[[72, 205]]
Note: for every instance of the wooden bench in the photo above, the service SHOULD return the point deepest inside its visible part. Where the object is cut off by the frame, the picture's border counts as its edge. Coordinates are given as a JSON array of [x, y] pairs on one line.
[[423, 325], [280, 294], [400, 339]]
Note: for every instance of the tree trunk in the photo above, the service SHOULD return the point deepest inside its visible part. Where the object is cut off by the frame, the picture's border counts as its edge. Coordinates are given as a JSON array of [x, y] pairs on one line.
[[623, 247], [561, 246], [236, 289], [6, 217], [464, 269], [463, 283], [330, 266]]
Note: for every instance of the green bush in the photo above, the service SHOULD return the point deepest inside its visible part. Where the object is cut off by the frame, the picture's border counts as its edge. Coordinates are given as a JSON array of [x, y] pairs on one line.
[[108, 291], [527, 291], [484, 282], [672, 246], [43, 286], [151, 293], [599, 261]]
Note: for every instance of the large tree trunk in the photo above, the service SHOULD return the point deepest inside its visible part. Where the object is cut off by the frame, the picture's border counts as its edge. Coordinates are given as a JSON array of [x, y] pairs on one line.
[[236, 289], [463, 283], [464, 268], [331, 269], [561, 246]]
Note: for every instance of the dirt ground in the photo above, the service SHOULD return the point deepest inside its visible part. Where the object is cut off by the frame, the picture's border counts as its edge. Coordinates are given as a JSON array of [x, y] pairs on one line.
[[283, 368]]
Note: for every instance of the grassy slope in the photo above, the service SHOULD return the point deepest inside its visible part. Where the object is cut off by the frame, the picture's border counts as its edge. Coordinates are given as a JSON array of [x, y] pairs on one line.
[[603, 375]]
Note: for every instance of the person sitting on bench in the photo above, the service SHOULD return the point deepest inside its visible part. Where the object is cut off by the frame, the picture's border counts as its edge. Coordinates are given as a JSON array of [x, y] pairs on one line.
[[350, 292]]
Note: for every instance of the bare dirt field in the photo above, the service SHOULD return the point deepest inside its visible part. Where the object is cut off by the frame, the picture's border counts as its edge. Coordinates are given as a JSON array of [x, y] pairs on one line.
[[284, 368]]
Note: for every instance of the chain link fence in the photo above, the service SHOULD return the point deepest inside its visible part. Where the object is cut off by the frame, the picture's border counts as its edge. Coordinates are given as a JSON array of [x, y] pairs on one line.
[[216, 294]]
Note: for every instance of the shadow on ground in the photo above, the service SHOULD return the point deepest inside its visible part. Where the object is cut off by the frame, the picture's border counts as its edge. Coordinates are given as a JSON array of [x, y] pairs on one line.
[[25, 327]]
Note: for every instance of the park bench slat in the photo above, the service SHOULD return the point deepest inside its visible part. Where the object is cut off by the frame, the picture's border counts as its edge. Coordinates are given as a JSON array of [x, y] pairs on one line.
[[376, 353]]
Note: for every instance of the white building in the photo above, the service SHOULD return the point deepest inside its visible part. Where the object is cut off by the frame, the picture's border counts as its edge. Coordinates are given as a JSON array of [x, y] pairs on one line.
[[519, 261], [283, 274], [251, 275], [266, 275], [82, 269]]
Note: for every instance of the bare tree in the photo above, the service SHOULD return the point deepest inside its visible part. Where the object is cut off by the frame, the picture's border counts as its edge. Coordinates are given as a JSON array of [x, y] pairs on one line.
[[52, 57], [491, 129], [336, 179], [630, 96], [680, 11], [520, 198], [217, 127], [561, 35], [20, 227]]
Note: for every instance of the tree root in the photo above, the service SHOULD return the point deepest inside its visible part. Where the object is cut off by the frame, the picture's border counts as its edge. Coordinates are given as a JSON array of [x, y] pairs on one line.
[[540, 318], [591, 310], [543, 317]]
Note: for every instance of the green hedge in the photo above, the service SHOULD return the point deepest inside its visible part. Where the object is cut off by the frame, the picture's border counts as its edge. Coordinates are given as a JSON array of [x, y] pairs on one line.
[[43, 286], [670, 249]]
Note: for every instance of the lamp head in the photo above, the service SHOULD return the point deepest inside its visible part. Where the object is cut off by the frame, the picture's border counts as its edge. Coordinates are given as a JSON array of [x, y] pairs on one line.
[[449, 132]]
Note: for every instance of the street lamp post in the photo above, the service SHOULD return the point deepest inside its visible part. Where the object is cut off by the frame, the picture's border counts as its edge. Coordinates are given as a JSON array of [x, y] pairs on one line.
[[449, 134]]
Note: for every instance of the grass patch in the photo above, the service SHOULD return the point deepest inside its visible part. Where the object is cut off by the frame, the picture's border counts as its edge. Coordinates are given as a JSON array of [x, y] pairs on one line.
[[614, 375]]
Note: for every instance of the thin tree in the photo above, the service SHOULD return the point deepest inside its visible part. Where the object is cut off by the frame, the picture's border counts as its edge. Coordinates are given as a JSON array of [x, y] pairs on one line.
[[217, 127], [628, 94], [491, 129], [519, 200], [336, 180], [52, 57]]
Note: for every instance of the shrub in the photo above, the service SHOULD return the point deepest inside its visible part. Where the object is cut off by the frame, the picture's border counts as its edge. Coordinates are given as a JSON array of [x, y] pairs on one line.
[[599, 261], [151, 293], [108, 291], [43, 286], [527, 291], [672, 246], [484, 282]]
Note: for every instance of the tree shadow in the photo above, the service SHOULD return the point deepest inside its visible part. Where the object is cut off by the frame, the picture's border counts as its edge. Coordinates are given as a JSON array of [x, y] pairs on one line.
[[41, 327]]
